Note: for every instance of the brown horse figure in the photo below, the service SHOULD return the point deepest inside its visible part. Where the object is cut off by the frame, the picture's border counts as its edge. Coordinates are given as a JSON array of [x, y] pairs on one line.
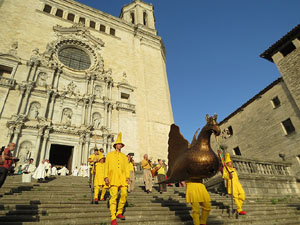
[[194, 161]]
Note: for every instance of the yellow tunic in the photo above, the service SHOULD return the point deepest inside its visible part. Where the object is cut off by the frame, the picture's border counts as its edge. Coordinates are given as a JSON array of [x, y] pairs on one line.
[[196, 192], [117, 169], [131, 168], [161, 170], [99, 176], [237, 187], [145, 164]]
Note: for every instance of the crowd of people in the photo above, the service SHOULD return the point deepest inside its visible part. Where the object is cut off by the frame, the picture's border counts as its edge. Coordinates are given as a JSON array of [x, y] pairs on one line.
[[115, 172]]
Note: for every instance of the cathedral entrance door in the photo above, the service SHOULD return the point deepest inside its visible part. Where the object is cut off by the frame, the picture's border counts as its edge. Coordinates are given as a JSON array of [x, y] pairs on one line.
[[61, 155]]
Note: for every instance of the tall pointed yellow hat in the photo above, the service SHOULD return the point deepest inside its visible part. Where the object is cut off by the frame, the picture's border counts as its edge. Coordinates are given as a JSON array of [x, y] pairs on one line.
[[119, 140], [227, 158]]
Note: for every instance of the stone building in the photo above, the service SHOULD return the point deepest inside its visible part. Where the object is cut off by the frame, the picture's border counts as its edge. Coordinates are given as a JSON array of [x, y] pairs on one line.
[[72, 76], [267, 127]]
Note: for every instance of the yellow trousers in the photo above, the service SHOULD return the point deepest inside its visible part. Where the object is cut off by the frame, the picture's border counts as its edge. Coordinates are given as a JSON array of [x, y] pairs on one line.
[[113, 200], [206, 207], [96, 192], [239, 199]]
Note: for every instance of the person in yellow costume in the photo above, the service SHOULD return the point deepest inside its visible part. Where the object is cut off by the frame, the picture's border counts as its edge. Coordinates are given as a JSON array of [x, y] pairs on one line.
[[197, 195], [117, 177], [99, 181], [93, 159], [232, 178]]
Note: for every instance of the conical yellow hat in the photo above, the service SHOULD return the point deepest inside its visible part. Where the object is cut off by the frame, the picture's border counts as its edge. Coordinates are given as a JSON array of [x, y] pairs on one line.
[[119, 140], [227, 158]]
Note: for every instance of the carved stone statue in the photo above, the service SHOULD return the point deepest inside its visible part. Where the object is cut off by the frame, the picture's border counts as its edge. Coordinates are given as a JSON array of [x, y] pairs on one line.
[[34, 110], [71, 88], [96, 120], [66, 117], [13, 49], [25, 152], [98, 91], [42, 79]]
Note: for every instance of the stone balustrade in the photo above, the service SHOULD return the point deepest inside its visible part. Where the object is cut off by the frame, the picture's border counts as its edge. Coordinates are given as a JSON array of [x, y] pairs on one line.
[[259, 177], [7, 82], [251, 166]]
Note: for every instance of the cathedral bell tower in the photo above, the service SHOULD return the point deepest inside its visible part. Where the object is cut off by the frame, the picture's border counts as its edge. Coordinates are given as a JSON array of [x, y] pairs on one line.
[[139, 13]]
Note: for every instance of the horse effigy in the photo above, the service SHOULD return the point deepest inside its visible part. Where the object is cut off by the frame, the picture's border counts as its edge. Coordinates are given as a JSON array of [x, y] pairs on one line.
[[193, 161]]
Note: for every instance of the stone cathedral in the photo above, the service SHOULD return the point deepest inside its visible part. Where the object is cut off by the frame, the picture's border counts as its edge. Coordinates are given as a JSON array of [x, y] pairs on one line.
[[72, 77]]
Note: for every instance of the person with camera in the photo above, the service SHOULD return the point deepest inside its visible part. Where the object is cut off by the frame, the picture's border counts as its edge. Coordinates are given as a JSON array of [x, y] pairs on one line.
[[6, 161]]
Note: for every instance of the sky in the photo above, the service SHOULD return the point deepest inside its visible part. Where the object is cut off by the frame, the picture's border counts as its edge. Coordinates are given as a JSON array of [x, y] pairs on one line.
[[213, 49]]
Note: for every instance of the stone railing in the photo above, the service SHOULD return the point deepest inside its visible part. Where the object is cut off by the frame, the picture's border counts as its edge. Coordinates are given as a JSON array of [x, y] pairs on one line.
[[7, 82], [251, 166], [259, 177], [125, 106]]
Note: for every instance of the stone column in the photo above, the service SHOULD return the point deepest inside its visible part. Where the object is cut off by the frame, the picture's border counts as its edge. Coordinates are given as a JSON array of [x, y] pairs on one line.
[[110, 107], [29, 87], [80, 149], [51, 110], [39, 153], [44, 145], [87, 148], [16, 137], [91, 100], [106, 114], [10, 134], [49, 92], [22, 89]]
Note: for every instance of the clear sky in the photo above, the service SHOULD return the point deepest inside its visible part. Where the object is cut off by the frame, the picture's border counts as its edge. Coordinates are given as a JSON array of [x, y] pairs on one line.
[[213, 49]]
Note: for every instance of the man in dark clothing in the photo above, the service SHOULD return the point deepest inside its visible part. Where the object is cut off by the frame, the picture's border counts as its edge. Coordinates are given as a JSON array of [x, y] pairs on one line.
[[9, 160]]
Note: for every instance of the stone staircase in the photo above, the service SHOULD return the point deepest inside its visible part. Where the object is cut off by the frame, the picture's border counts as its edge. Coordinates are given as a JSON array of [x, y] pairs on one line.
[[67, 200]]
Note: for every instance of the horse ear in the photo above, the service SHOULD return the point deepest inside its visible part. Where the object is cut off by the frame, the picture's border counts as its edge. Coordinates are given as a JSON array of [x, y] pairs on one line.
[[215, 116], [207, 118]]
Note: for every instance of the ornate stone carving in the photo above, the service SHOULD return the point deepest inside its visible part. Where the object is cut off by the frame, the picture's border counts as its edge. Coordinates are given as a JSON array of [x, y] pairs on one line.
[[34, 110], [71, 88], [13, 49], [35, 59], [42, 79], [67, 117], [98, 91], [97, 120]]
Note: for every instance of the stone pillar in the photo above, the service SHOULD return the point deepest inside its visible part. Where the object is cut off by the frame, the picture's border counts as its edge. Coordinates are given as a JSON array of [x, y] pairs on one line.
[[39, 153], [51, 110], [106, 114], [49, 92], [91, 100], [10, 134], [87, 148], [44, 145], [29, 87], [80, 149], [16, 137], [22, 89], [110, 107]]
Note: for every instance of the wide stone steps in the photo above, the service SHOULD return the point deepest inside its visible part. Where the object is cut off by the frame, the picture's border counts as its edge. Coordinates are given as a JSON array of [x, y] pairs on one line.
[[66, 200]]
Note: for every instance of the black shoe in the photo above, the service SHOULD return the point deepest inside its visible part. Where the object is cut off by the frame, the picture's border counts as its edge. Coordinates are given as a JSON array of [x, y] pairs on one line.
[[160, 192]]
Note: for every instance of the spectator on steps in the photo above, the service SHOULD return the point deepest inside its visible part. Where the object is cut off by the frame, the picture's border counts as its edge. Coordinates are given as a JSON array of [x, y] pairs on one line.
[[63, 171], [6, 165]]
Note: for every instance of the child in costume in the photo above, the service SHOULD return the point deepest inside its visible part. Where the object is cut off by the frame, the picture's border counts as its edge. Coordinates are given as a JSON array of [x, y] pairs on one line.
[[232, 178], [197, 195]]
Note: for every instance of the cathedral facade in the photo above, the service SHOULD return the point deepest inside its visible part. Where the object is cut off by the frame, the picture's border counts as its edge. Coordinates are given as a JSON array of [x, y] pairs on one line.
[[72, 77]]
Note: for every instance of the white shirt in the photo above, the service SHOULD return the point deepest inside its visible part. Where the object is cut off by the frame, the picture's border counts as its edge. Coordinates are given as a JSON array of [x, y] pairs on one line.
[[63, 171]]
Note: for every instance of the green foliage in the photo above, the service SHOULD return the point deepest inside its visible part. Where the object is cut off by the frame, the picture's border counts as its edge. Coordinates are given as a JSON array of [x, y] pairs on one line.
[[274, 201]]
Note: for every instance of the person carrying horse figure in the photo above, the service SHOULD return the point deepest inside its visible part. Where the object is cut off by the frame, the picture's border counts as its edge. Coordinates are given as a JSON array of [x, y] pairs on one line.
[[99, 180], [117, 177], [233, 184]]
